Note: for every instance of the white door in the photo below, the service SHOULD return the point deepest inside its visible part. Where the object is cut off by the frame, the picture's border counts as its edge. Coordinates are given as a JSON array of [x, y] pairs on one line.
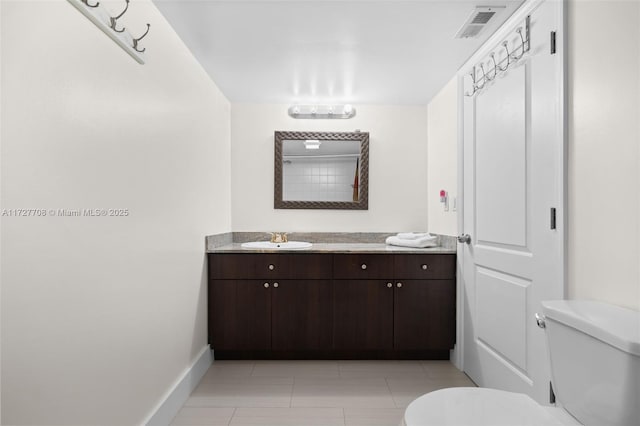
[[513, 174]]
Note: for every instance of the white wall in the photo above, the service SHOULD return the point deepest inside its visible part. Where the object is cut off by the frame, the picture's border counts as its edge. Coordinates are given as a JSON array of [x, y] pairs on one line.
[[442, 166], [101, 315], [397, 170], [604, 161]]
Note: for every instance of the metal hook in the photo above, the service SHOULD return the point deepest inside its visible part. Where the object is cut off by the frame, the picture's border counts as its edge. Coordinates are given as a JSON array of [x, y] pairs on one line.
[[495, 66], [484, 78], [506, 47], [113, 20], [86, 2], [488, 75], [519, 31], [136, 40], [473, 83]]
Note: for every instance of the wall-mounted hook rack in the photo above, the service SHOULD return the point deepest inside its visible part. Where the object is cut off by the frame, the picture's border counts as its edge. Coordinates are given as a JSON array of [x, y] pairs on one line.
[[108, 24]]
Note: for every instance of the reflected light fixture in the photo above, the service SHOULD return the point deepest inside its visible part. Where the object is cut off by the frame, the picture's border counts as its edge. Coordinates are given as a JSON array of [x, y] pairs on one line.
[[312, 144], [322, 111]]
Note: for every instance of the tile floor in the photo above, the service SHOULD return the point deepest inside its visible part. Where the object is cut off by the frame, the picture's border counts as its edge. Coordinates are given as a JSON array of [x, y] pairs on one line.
[[310, 393]]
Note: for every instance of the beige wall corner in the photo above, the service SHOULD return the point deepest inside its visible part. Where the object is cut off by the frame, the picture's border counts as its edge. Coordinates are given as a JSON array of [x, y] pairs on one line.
[[442, 166]]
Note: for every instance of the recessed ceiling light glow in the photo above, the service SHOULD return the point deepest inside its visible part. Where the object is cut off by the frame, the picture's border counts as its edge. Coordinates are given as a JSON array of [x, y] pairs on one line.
[[312, 144]]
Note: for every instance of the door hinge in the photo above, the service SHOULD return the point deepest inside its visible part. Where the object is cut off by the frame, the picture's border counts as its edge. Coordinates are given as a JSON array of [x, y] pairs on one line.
[[553, 42], [552, 395], [552, 218]]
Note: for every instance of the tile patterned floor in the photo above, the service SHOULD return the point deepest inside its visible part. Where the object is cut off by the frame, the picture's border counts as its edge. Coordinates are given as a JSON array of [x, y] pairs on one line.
[[310, 393]]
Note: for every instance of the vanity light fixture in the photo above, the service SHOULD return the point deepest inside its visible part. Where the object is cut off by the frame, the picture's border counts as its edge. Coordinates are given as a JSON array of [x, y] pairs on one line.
[[322, 111], [312, 144]]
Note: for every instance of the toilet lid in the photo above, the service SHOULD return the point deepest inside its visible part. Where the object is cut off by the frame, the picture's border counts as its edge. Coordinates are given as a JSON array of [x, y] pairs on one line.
[[477, 406]]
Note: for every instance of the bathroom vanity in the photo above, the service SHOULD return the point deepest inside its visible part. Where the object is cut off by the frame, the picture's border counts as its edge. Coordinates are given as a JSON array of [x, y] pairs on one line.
[[328, 304]]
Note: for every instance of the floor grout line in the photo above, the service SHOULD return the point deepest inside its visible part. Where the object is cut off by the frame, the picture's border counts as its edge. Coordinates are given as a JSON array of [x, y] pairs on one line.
[[232, 415]]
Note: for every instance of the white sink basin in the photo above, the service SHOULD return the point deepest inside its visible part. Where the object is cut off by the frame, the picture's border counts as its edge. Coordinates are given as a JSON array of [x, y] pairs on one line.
[[291, 245]]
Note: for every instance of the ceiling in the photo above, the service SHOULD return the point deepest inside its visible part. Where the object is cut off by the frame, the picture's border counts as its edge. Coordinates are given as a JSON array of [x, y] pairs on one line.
[[332, 51]]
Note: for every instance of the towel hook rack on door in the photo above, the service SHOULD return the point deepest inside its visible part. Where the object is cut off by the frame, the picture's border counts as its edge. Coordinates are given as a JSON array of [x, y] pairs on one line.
[[479, 82]]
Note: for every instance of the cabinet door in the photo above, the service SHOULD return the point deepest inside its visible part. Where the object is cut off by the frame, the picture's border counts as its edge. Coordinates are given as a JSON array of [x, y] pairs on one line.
[[302, 315], [424, 314], [363, 315], [239, 315]]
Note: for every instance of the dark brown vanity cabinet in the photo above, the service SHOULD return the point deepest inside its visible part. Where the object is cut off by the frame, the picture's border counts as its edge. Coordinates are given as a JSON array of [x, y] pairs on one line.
[[354, 305], [270, 302], [409, 307], [363, 302]]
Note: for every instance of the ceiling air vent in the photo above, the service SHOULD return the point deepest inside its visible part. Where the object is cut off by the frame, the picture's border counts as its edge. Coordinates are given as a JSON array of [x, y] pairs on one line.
[[478, 19]]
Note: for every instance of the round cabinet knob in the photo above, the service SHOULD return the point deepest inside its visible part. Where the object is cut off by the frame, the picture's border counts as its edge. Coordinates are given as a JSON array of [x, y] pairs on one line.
[[399, 285], [425, 267], [275, 285], [364, 266], [266, 285], [271, 267], [389, 285]]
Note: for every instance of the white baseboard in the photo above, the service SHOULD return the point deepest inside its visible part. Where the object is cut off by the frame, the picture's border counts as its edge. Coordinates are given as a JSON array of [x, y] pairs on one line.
[[164, 412]]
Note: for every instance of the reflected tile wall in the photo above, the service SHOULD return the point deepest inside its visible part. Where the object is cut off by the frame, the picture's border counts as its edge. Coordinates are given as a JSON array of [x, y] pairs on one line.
[[313, 180]]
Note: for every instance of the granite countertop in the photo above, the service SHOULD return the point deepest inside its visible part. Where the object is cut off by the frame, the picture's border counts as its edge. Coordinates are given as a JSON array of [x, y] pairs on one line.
[[334, 248], [342, 243]]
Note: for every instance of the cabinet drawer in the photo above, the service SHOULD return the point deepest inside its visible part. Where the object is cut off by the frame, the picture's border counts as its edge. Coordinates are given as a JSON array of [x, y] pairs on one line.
[[363, 266], [267, 266], [425, 266], [310, 266]]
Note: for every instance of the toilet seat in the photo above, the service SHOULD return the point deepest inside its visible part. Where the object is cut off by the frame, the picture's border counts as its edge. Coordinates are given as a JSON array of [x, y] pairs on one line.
[[478, 407]]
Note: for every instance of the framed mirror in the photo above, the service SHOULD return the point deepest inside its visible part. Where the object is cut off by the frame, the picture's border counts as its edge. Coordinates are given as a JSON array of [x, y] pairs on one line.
[[321, 170]]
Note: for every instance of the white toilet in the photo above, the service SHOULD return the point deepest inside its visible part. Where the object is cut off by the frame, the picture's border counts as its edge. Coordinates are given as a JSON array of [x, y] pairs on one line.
[[595, 370]]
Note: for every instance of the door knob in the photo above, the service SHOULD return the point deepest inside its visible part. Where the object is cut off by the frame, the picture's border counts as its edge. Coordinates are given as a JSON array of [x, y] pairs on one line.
[[266, 285], [399, 285], [389, 285], [464, 238]]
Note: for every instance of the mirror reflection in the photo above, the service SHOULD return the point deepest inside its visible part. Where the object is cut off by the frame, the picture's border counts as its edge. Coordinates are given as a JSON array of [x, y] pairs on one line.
[[315, 170]]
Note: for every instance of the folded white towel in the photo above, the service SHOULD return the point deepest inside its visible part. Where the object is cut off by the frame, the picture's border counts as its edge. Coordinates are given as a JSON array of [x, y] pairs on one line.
[[426, 241], [412, 235]]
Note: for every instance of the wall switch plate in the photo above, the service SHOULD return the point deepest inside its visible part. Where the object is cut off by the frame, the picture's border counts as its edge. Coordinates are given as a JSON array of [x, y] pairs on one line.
[[455, 203]]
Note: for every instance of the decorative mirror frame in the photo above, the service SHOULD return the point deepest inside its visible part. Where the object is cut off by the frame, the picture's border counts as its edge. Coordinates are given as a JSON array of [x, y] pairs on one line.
[[363, 177]]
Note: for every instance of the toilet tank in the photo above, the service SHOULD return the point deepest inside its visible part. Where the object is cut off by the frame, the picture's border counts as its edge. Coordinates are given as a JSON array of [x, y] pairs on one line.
[[595, 360]]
